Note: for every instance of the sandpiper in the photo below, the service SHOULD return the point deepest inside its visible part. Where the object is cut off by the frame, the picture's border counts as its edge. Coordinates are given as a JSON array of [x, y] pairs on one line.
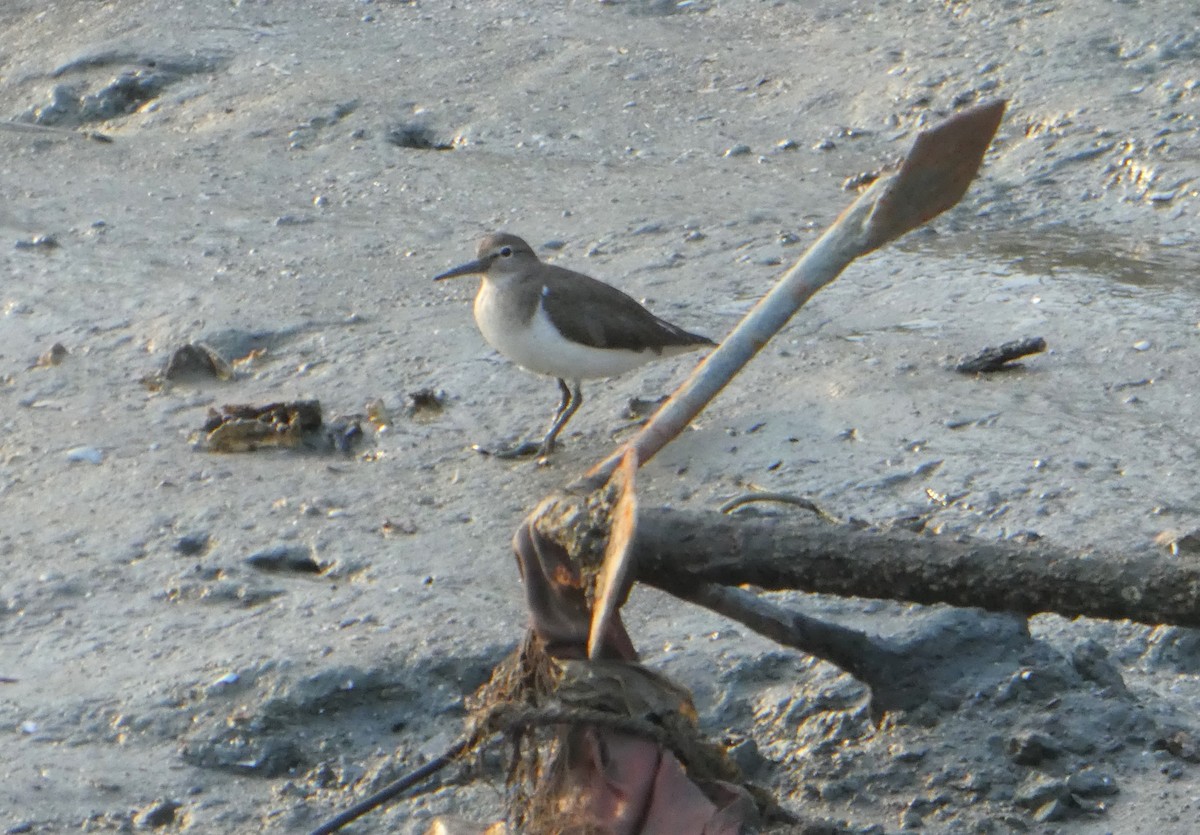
[[563, 324]]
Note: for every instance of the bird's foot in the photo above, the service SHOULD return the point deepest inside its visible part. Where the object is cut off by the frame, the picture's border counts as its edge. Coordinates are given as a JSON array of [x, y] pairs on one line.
[[521, 449]]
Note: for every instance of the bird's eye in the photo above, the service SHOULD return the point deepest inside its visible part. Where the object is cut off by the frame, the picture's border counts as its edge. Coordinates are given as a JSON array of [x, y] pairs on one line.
[[506, 252]]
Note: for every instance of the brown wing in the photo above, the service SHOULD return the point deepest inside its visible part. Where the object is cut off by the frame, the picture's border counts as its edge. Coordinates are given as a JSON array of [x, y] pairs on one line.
[[601, 316]]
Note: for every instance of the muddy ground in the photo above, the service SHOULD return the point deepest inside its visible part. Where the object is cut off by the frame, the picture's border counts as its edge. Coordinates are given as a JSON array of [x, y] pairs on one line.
[[281, 180]]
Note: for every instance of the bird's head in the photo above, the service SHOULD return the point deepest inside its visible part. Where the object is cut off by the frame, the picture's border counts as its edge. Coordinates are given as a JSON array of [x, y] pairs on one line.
[[497, 254]]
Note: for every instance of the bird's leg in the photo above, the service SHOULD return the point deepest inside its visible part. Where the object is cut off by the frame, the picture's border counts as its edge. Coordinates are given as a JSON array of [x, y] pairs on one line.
[[572, 399], [567, 406]]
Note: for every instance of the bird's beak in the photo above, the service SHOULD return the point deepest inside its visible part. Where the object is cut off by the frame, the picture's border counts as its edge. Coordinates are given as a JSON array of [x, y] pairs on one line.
[[477, 267]]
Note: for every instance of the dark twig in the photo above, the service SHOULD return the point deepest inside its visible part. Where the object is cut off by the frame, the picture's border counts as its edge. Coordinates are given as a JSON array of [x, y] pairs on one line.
[[998, 359], [781, 498], [850, 649], [395, 789]]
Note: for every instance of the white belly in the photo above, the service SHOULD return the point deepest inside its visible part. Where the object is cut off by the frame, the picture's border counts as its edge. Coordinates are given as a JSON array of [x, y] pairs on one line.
[[540, 348]]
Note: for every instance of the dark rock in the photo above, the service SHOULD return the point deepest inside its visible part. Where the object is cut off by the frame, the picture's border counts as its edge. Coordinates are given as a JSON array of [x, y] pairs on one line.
[[1032, 748], [55, 356], [297, 559], [192, 543], [159, 815], [1038, 790], [196, 360], [1092, 783], [417, 136]]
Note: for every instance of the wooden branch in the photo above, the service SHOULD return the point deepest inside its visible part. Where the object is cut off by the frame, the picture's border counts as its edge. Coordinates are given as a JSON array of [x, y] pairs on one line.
[[855, 652], [679, 551], [898, 674], [1000, 359]]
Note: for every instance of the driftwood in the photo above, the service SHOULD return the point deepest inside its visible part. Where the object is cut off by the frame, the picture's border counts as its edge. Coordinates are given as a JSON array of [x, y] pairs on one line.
[[705, 558], [677, 550], [1001, 358]]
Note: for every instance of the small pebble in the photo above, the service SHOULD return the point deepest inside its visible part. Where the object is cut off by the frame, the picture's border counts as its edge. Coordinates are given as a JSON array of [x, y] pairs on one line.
[[1092, 783], [57, 353], [1032, 748], [191, 544], [1142, 345], [85, 454], [737, 151]]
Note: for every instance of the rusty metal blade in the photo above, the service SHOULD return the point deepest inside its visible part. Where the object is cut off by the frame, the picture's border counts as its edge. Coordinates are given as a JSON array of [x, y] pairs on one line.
[[935, 174], [616, 573]]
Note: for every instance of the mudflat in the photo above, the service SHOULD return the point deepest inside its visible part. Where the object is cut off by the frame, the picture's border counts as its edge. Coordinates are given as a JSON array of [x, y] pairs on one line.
[[249, 642]]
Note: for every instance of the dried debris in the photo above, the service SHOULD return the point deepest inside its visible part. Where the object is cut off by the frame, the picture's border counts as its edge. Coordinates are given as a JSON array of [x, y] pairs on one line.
[[292, 425], [425, 404], [999, 359]]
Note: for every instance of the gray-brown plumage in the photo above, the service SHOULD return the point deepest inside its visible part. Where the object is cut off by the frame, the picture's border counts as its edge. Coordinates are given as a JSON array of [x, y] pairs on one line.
[[562, 323]]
